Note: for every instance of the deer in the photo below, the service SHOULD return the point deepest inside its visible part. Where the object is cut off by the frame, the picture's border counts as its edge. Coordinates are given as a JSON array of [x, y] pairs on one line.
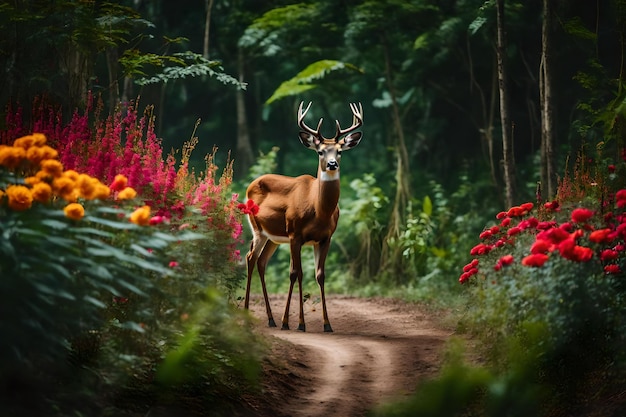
[[299, 211]]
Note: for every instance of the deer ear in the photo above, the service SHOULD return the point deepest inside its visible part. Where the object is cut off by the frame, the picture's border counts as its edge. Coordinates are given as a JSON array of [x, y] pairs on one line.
[[308, 140], [351, 140]]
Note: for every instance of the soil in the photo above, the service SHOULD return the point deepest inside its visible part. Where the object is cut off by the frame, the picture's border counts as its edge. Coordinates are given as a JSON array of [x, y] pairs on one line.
[[379, 351]]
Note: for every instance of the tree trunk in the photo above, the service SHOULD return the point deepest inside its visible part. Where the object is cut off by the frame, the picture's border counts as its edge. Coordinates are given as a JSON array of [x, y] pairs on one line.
[[508, 160], [112, 58], [207, 27], [545, 92], [394, 227], [244, 156]]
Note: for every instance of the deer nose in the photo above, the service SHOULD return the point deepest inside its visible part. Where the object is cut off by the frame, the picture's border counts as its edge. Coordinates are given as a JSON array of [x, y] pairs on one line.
[[332, 165]]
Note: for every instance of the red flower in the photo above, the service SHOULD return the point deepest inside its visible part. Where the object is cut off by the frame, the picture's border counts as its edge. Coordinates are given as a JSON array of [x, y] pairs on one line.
[[536, 259], [552, 205], [527, 206], [612, 269], [485, 235], [600, 236], [541, 246], [249, 207], [501, 215], [505, 222], [173, 264], [494, 230], [620, 195], [514, 231], [581, 215], [506, 260], [611, 168], [480, 249], [609, 255]]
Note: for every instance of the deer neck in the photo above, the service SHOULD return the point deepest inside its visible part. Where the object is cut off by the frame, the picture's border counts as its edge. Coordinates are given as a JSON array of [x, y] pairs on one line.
[[327, 192]]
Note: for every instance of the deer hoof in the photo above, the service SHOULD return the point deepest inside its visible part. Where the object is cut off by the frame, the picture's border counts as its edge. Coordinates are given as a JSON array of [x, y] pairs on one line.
[[327, 328], [285, 327], [271, 323], [302, 328]]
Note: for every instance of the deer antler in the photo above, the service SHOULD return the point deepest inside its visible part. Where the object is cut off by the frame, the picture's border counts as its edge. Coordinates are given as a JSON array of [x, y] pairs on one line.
[[301, 123], [357, 121]]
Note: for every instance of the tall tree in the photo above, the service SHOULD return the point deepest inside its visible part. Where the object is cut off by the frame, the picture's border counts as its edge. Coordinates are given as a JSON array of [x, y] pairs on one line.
[[545, 89], [508, 160]]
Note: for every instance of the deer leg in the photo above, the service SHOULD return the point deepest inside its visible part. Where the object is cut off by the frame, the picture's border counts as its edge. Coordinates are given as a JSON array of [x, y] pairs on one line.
[[264, 257], [295, 274], [256, 248], [321, 250]]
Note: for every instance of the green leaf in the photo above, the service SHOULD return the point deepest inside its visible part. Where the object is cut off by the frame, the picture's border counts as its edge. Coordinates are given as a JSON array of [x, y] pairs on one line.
[[303, 81], [427, 206]]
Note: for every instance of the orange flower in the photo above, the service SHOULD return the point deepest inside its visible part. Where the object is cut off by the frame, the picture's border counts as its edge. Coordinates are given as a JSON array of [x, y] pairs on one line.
[[87, 186], [52, 167], [32, 180], [65, 187], [20, 197], [11, 156], [24, 142], [74, 211], [141, 216], [127, 193], [119, 183], [102, 192], [42, 192]]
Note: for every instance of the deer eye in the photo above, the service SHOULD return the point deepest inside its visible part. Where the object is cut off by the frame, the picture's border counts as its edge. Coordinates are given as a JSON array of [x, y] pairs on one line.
[[320, 153]]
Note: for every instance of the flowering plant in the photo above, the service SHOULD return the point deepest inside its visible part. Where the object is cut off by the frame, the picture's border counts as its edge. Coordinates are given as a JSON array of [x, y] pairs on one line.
[[556, 268]]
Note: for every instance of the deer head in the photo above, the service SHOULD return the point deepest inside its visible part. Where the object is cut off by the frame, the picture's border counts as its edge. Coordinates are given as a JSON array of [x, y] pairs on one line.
[[329, 150]]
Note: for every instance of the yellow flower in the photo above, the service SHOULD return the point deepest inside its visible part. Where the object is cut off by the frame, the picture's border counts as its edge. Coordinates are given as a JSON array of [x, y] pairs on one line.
[[41, 192], [11, 156], [141, 216], [52, 167], [74, 211], [20, 197], [127, 193]]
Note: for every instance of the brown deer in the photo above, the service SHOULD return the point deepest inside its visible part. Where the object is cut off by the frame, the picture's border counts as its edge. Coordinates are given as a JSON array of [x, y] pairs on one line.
[[299, 211]]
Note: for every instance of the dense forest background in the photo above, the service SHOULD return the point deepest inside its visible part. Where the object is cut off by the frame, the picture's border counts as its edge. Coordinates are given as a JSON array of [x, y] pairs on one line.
[[438, 80]]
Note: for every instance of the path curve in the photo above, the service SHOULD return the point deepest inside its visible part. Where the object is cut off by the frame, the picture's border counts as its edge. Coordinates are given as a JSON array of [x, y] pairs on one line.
[[379, 350]]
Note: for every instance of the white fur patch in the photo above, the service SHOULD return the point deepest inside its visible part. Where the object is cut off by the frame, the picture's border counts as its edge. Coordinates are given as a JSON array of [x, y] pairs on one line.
[[329, 175]]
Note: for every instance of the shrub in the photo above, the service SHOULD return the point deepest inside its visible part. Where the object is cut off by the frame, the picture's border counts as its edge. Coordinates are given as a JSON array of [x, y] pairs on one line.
[[97, 276]]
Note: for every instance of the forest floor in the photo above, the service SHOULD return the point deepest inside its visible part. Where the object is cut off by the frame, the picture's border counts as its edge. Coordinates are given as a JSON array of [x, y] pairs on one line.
[[379, 351]]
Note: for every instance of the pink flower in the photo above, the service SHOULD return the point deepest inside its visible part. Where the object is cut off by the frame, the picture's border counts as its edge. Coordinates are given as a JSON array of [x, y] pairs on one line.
[[173, 264]]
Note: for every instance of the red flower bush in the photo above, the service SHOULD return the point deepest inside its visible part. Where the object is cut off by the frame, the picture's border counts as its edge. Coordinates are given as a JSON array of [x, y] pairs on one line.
[[577, 240]]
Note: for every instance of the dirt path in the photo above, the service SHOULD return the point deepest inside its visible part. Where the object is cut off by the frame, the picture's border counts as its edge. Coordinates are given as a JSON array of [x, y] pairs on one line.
[[380, 350]]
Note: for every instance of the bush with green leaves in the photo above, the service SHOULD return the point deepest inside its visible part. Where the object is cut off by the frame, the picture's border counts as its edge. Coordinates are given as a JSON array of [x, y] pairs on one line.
[[101, 293]]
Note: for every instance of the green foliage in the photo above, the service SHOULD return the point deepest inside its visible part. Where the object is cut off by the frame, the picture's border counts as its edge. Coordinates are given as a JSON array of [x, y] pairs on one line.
[[303, 81], [189, 64]]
